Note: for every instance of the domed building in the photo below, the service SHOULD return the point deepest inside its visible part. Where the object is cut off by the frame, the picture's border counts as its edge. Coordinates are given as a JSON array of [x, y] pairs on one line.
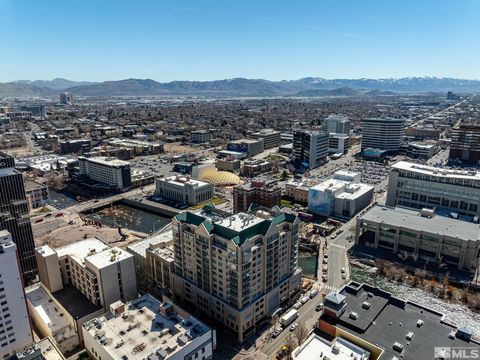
[[208, 172], [222, 178]]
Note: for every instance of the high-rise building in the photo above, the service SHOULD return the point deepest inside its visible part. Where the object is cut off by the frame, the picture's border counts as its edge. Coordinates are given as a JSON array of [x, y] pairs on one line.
[[237, 269], [383, 134], [420, 186], [337, 124], [338, 143], [113, 172], [310, 148], [465, 145], [271, 138], [260, 192], [14, 216], [103, 274], [66, 98], [15, 332], [36, 110]]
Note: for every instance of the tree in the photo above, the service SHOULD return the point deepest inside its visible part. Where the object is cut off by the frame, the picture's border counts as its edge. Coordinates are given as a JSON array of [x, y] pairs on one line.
[[301, 333], [291, 344]]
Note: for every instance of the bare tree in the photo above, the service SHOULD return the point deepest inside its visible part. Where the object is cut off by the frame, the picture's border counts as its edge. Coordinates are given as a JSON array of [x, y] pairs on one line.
[[301, 333], [291, 344]]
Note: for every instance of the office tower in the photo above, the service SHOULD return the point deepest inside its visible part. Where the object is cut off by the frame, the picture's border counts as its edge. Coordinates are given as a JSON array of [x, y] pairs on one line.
[[236, 269], [15, 332], [260, 192], [383, 134], [465, 146], [338, 143], [271, 138], [337, 124], [66, 98], [420, 186], [14, 215], [310, 149]]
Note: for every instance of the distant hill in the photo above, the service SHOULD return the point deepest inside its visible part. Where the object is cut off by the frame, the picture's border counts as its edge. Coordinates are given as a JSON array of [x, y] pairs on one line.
[[344, 91], [22, 90], [260, 87], [55, 84], [309, 86]]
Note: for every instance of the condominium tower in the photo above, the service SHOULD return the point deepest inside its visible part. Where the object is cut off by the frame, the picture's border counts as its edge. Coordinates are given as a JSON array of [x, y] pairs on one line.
[[236, 269]]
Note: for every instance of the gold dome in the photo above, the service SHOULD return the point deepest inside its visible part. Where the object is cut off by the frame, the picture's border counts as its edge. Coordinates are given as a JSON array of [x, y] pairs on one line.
[[222, 178]]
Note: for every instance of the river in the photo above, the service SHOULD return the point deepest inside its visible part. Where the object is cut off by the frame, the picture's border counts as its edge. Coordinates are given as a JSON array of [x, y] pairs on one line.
[[455, 313], [61, 200]]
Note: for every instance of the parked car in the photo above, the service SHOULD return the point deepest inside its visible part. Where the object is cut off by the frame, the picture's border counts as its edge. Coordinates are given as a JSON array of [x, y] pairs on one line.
[[319, 307], [277, 332], [293, 326]]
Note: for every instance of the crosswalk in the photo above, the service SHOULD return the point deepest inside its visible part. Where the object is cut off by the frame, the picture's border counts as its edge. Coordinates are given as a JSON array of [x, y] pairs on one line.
[[338, 246], [330, 287]]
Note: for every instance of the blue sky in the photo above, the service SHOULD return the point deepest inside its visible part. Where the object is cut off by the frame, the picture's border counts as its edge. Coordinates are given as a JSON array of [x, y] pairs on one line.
[[169, 40]]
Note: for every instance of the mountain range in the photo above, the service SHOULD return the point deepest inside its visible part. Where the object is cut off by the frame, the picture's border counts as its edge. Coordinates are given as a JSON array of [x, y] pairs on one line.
[[310, 86]]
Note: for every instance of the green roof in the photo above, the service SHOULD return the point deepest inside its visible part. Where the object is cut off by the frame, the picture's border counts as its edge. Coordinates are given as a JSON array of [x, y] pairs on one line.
[[238, 237]]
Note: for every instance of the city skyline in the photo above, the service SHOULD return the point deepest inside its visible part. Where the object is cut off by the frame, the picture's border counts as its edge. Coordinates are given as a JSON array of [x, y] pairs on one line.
[[184, 41]]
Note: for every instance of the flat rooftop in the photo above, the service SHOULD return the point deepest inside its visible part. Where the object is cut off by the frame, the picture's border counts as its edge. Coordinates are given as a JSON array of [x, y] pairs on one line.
[[389, 320], [183, 180], [31, 185], [8, 171], [47, 310], [108, 257], [353, 191], [156, 240], [81, 249], [101, 160], [237, 222], [439, 172], [331, 184], [338, 349], [45, 348], [411, 219], [143, 329], [244, 141], [75, 302]]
